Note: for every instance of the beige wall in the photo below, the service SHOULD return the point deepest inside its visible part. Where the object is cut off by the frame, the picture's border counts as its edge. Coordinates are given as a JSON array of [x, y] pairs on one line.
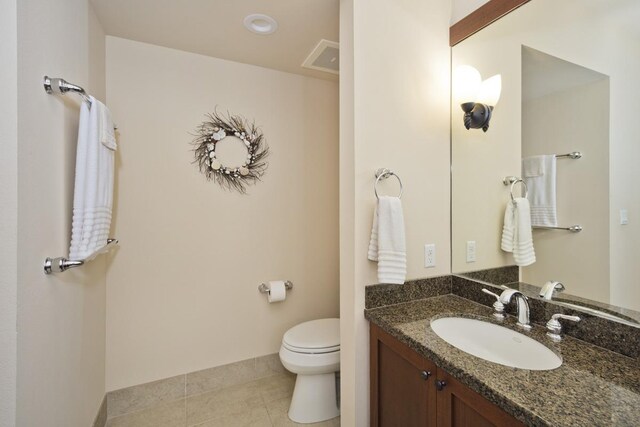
[[8, 210], [61, 318], [580, 261], [481, 160], [497, 49], [461, 8], [397, 92], [182, 288]]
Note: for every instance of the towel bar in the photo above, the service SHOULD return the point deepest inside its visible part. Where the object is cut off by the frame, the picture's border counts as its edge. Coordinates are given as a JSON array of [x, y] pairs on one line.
[[574, 228], [573, 155], [56, 85], [60, 264]]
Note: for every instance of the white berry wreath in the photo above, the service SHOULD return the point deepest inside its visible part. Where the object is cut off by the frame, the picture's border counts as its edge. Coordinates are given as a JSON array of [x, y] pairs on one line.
[[214, 130]]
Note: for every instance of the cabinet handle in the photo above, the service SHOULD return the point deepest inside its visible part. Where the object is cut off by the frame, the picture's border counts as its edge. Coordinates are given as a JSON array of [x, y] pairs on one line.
[[440, 385], [425, 375]]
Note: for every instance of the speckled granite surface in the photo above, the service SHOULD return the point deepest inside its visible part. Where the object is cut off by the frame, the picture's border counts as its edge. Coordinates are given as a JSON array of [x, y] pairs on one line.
[[618, 337], [497, 276], [593, 387], [385, 294]]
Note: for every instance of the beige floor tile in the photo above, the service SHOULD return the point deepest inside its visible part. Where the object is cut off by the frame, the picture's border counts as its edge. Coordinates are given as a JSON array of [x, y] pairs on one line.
[[276, 387], [228, 402], [171, 414], [269, 365], [220, 377], [278, 413], [139, 397], [256, 417]]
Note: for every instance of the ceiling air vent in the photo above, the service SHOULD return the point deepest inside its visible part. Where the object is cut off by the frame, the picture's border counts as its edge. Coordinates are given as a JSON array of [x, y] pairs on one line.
[[324, 57]]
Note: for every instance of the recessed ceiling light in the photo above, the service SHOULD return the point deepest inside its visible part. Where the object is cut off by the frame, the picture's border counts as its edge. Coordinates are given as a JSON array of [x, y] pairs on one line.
[[260, 24]]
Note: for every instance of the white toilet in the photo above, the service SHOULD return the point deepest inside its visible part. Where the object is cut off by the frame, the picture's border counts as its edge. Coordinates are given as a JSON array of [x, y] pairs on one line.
[[312, 351]]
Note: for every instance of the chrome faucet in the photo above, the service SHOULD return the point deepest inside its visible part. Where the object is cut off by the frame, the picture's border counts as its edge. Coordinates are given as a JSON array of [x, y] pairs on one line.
[[546, 292], [554, 327], [523, 306]]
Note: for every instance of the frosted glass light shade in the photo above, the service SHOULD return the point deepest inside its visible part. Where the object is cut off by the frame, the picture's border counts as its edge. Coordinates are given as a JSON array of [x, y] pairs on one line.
[[466, 84], [490, 89]]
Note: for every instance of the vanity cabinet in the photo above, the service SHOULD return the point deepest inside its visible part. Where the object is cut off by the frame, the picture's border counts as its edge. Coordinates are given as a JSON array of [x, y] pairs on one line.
[[409, 390]]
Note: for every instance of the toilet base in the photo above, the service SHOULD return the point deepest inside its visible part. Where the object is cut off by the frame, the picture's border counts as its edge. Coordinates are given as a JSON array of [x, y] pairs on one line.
[[314, 399]]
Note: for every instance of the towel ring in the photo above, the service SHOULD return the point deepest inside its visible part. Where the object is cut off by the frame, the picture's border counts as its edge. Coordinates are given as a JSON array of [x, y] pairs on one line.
[[526, 189], [384, 173]]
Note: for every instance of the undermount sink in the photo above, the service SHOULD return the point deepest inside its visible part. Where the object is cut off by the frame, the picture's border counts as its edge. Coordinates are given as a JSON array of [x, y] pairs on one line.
[[495, 343]]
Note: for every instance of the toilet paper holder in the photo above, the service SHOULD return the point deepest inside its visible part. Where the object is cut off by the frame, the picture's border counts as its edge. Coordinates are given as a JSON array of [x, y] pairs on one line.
[[264, 288]]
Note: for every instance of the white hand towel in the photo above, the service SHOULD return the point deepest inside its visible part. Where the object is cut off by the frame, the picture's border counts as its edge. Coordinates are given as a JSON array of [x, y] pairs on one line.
[[508, 229], [387, 244], [539, 173], [516, 233], [93, 192]]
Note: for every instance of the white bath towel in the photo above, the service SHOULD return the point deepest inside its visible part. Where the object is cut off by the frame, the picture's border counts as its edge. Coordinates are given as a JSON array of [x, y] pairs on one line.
[[93, 192], [387, 244], [539, 173], [516, 232]]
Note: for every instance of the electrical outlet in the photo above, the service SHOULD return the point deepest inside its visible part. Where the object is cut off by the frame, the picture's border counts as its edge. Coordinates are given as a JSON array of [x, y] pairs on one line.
[[471, 251], [624, 217], [430, 255]]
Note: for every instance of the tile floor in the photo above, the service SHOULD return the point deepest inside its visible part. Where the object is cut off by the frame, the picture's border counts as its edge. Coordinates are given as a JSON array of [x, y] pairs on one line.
[[258, 403]]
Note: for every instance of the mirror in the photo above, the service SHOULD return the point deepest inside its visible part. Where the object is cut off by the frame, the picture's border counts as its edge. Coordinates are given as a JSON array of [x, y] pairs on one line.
[[570, 83]]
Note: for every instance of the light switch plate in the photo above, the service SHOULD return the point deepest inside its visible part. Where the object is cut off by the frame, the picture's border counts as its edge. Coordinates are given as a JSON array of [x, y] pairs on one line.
[[624, 217]]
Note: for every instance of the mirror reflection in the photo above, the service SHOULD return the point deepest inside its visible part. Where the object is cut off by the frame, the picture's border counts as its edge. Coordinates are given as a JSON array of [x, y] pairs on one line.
[[564, 124]]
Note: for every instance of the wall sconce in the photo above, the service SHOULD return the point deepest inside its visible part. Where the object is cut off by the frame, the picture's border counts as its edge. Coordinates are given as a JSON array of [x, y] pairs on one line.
[[476, 97]]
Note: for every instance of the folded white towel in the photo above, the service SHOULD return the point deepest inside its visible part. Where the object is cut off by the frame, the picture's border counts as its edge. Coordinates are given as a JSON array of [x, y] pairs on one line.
[[387, 244], [516, 232], [539, 173], [93, 192]]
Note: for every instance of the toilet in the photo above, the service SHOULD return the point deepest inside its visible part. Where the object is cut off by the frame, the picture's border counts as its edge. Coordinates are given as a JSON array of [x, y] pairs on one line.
[[312, 351]]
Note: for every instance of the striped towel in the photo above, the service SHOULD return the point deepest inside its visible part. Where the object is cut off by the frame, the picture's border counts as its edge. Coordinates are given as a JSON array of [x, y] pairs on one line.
[[387, 244], [516, 232]]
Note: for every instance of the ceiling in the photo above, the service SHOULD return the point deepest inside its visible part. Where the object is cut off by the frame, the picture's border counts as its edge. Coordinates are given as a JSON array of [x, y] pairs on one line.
[[215, 28]]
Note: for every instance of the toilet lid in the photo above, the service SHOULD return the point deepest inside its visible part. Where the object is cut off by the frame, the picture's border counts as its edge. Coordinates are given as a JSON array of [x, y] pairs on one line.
[[315, 336]]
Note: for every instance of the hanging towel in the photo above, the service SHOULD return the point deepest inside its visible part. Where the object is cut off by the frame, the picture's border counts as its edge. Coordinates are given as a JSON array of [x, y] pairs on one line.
[[93, 192], [539, 173], [516, 232], [387, 244]]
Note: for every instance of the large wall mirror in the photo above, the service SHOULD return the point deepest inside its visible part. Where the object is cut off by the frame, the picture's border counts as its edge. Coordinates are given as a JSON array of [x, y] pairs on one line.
[[570, 83]]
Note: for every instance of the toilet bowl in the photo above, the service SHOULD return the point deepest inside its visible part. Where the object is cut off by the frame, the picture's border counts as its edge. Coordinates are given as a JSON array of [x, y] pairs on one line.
[[312, 351]]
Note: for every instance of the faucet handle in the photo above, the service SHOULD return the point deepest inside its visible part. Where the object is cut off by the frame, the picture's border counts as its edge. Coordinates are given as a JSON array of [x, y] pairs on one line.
[[497, 306], [554, 327]]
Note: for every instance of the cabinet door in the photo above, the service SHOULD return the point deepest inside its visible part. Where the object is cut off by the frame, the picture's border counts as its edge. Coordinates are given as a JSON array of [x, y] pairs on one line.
[[402, 385], [459, 406]]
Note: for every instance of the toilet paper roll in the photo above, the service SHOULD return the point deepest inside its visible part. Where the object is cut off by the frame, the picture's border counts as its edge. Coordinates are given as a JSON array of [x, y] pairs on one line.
[[278, 291]]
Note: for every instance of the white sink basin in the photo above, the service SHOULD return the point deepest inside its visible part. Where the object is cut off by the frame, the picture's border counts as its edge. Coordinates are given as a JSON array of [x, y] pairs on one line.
[[495, 343]]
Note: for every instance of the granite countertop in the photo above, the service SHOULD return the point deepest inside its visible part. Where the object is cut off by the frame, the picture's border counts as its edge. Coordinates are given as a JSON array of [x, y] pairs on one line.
[[593, 387]]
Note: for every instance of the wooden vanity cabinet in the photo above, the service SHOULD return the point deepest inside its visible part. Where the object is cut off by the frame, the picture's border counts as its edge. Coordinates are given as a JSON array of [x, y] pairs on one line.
[[408, 390]]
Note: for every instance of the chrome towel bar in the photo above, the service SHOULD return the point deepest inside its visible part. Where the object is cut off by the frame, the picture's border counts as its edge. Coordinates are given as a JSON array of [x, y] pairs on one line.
[[55, 85], [574, 228], [58, 265], [573, 155]]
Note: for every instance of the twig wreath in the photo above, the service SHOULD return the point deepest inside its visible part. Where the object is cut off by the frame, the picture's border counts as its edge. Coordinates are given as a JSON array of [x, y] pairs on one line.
[[215, 129]]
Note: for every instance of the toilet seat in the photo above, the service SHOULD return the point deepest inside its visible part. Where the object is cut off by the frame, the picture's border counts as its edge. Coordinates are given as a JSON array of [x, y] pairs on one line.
[[305, 350], [313, 337]]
